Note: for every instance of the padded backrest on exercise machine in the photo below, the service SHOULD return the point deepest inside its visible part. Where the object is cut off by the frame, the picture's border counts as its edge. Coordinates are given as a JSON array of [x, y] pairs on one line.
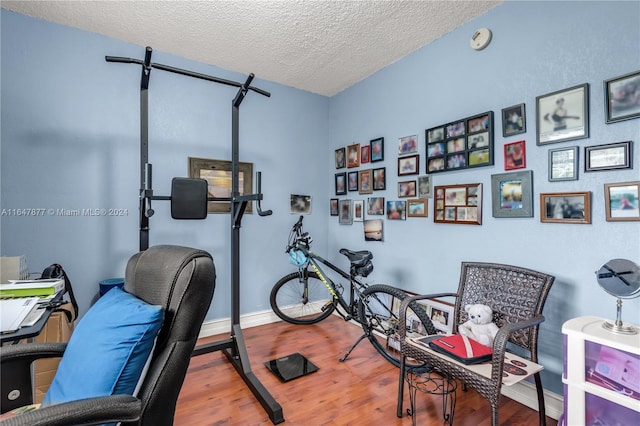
[[189, 198]]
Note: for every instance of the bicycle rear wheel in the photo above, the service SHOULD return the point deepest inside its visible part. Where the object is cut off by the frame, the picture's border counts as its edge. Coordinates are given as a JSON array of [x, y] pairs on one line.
[[379, 316], [301, 298]]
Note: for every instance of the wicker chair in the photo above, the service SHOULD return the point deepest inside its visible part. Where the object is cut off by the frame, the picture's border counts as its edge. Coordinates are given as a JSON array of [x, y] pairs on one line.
[[517, 296]]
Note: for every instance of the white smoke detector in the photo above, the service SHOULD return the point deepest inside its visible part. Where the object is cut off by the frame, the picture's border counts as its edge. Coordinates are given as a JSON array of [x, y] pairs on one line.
[[481, 39]]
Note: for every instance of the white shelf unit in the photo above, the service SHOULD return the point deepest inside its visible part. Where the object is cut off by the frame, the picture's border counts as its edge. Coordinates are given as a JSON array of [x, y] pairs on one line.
[[601, 374]]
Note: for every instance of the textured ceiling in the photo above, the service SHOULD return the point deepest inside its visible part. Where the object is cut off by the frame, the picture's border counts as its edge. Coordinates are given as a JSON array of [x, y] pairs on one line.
[[322, 46]]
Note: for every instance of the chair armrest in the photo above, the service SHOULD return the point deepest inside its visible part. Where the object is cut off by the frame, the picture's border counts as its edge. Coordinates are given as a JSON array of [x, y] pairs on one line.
[[15, 370], [501, 340], [32, 351], [402, 327], [90, 411]]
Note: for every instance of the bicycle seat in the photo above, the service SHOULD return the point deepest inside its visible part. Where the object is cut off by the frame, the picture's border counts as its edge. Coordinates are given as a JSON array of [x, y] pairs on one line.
[[357, 258]]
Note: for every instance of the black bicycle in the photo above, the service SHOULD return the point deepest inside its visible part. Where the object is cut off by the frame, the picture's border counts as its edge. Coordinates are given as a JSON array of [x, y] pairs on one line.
[[309, 296]]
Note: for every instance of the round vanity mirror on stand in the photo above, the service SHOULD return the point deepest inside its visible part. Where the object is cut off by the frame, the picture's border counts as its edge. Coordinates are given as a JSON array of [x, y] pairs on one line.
[[621, 279]]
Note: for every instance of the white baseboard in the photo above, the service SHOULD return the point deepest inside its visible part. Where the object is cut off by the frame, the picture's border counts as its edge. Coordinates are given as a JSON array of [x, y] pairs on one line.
[[523, 392], [219, 326], [211, 328]]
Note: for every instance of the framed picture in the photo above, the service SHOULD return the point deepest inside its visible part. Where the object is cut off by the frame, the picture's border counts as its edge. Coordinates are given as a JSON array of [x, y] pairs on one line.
[[461, 144], [340, 158], [515, 155], [365, 185], [300, 204], [333, 207], [458, 204], [396, 210], [408, 145], [512, 194], [566, 207], [478, 124], [455, 129], [441, 314], [407, 189], [435, 165], [379, 179], [352, 181], [622, 98], [375, 206], [435, 149], [358, 210], [373, 230], [417, 207], [217, 173], [435, 134], [345, 213], [408, 165], [607, 157], [365, 154], [563, 164], [513, 120], [621, 201], [377, 149], [563, 115], [341, 183], [456, 145], [415, 328], [424, 186], [353, 155], [479, 157]]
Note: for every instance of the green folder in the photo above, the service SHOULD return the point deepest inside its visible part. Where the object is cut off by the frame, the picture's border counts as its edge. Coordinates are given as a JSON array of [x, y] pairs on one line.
[[40, 288]]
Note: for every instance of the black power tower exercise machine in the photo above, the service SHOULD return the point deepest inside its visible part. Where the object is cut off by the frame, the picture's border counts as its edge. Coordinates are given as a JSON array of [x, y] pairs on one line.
[[189, 198]]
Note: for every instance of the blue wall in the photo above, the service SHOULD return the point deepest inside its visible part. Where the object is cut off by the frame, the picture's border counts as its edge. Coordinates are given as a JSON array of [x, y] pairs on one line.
[[537, 48], [70, 140]]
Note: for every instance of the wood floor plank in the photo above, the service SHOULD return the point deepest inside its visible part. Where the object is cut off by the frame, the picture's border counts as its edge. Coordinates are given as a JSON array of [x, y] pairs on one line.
[[360, 391]]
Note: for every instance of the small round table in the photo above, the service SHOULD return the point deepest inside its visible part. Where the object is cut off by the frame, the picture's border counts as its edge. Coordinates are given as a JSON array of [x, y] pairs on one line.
[[433, 383]]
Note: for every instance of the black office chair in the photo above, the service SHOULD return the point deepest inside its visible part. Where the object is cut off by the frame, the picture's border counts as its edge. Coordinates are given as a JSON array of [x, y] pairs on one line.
[[182, 281]]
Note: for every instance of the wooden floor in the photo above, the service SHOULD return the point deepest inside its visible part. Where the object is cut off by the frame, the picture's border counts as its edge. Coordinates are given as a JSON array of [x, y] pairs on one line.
[[360, 391]]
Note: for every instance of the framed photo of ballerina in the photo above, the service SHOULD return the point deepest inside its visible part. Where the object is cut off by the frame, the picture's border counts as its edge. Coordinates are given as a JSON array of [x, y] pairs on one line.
[[563, 115]]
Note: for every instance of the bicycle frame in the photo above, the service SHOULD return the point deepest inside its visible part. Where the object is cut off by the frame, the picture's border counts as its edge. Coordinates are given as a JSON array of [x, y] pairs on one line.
[[299, 298], [355, 285]]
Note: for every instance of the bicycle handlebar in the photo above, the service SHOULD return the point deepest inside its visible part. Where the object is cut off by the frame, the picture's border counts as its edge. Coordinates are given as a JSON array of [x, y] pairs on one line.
[[298, 238]]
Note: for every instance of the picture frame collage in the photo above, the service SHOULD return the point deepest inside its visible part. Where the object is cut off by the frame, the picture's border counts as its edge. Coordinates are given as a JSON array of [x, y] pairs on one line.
[[360, 181], [561, 116], [460, 204], [461, 144]]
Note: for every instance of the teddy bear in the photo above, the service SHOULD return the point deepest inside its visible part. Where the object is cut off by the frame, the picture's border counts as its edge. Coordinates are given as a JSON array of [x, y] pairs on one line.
[[480, 326]]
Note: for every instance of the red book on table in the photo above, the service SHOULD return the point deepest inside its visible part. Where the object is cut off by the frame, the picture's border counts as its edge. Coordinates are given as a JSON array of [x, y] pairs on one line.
[[459, 347]]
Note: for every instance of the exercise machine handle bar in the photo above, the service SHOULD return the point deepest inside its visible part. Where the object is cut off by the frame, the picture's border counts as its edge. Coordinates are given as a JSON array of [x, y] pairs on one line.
[[148, 65], [259, 198]]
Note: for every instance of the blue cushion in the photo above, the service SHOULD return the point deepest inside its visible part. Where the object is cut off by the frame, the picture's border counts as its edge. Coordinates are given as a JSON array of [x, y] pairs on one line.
[[108, 349]]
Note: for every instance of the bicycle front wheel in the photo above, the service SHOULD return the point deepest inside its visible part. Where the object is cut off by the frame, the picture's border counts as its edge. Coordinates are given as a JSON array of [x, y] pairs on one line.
[[379, 316], [301, 298]]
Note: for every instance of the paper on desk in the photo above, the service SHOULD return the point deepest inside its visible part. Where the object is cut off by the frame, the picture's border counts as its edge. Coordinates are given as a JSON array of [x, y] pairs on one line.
[[14, 311], [33, 316]]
